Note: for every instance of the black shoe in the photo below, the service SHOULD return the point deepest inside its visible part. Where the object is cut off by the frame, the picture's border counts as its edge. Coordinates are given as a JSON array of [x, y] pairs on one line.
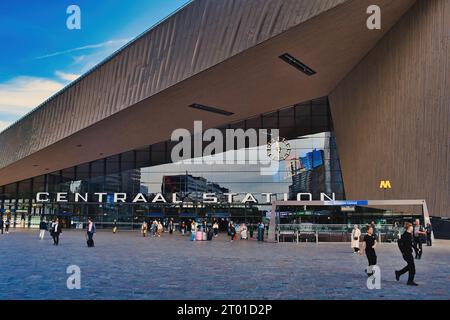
[[397, 275], [412, 283]]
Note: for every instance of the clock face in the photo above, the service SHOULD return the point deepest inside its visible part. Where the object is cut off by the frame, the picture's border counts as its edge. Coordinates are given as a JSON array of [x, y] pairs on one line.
[[278, 149]]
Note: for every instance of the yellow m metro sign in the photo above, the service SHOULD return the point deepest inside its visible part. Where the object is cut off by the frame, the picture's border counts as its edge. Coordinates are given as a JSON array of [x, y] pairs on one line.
[[385, 184]]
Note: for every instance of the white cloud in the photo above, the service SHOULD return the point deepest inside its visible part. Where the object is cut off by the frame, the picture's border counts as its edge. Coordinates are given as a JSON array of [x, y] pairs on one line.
[[108, 43], [67, 76], [21, 94]]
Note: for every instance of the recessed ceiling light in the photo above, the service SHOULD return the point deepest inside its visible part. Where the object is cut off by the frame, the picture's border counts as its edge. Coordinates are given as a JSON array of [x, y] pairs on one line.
[[297, 64], [211, 109]]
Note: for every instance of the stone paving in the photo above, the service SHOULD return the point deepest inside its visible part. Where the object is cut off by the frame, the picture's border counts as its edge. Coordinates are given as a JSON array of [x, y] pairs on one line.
[[127, 266]]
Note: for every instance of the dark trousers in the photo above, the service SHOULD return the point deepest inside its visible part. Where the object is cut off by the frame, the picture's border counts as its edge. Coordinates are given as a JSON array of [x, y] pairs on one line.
[[260, 234], [55, 237], [417, 247], [1, 229], [410, 267], [429, 240], [371, 258], [6, 228]]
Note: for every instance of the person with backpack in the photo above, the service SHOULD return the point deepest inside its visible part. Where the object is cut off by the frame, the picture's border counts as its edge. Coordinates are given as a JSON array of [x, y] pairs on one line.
[[90, 233], [405, 244]]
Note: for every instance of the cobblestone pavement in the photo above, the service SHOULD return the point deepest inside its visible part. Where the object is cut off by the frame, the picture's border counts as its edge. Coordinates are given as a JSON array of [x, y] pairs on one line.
[[127, 266]]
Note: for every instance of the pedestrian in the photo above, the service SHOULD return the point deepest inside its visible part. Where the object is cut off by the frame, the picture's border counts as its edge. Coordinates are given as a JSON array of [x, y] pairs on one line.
[[1, 224], [90, 233], [114, 229], [261, 229], [429, 230], [405, 244], [244, 234], [216, 229], [144, 228], [193, 227], [356, 233], [159, 229], [183, 227], [42, 228], [418, 232], [7, 223], [370, 242], [372, 224], [56, 231], [232, 231], [171, 226]]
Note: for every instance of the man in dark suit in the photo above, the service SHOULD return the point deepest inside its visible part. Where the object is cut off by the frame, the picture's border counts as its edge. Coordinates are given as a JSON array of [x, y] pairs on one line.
[[56, 231], [406, 247]]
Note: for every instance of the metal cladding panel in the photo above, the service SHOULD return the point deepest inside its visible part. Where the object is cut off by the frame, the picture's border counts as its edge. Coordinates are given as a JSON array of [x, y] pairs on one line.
[[201, 35], [391, 114]]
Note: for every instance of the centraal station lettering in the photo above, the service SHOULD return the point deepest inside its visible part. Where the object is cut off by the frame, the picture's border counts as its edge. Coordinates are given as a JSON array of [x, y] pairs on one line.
[[120, 197]]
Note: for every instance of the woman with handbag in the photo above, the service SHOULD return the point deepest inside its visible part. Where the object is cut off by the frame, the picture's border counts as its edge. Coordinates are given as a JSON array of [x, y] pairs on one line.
[[356, 233]]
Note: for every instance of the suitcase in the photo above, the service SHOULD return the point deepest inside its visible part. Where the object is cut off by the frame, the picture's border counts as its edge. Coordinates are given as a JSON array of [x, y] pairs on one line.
[[210, 235], [199, 236], [90, 243]]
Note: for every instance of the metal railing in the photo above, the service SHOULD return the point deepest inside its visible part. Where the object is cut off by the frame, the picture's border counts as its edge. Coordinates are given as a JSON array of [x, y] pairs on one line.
[[308, 232]]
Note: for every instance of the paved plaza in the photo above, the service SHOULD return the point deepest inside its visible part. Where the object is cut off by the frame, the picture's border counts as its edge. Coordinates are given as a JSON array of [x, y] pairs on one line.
[[127, 266]]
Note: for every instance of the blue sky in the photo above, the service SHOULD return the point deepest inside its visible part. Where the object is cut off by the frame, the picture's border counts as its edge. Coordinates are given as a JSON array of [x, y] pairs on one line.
[[40, 55]]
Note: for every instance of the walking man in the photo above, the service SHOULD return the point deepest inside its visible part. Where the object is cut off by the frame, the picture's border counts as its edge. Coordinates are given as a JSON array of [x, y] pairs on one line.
[[261, 229], [42, 228], [429, 230], [90, 233], [369, 244], [405, 244], [56, 231], [418, 232]]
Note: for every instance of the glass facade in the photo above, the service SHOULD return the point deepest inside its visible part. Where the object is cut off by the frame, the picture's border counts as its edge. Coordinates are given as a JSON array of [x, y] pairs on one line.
[[311, 166]]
